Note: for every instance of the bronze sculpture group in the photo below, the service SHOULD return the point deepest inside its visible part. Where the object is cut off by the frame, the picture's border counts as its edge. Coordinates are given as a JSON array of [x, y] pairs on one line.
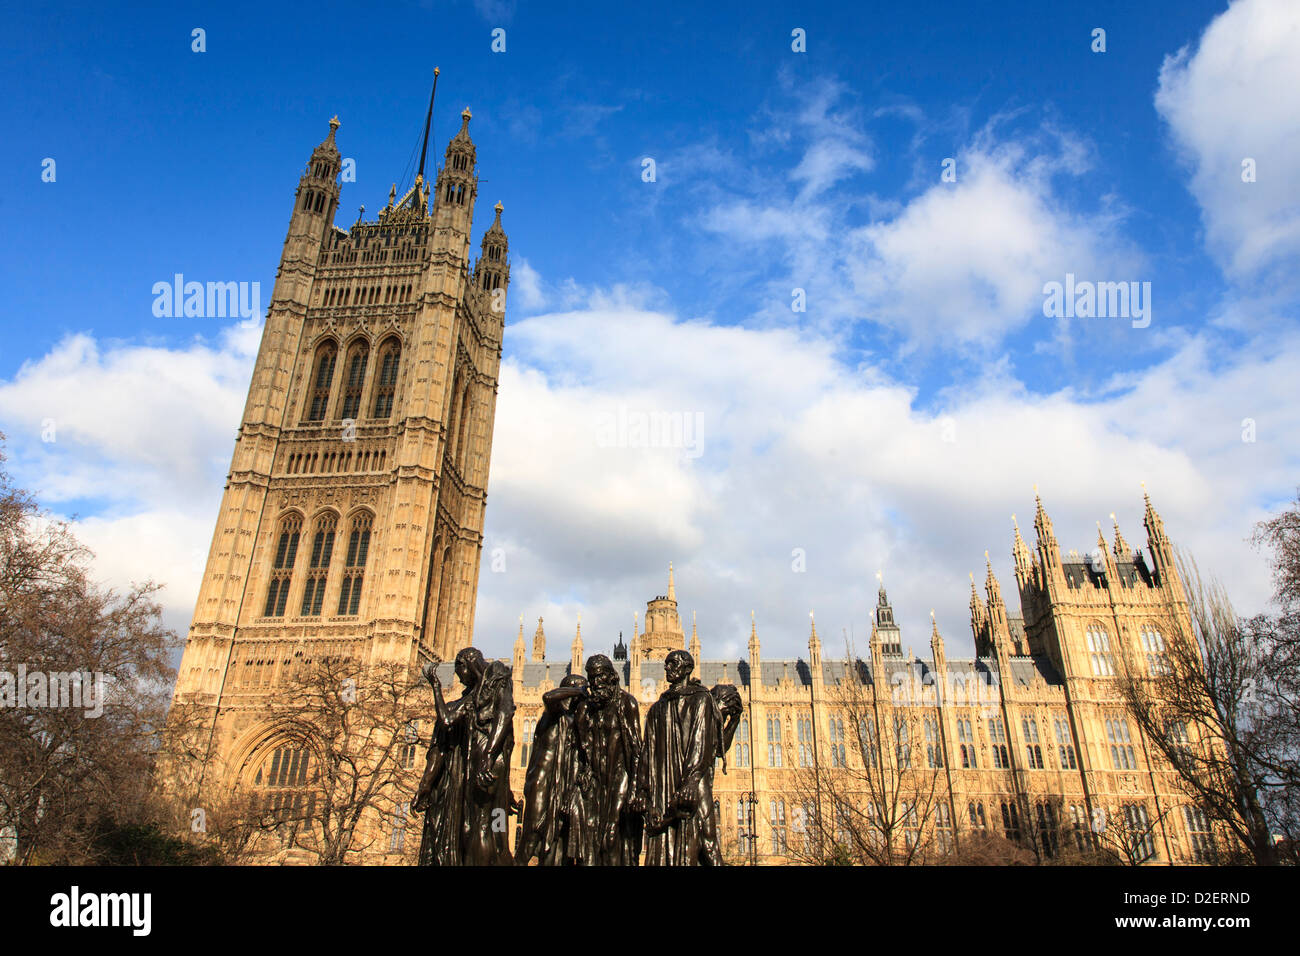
[[597, 787]]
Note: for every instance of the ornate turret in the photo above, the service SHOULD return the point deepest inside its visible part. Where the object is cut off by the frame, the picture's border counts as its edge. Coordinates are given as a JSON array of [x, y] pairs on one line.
[[517, 658], [457, 187], [493, 269], [575, 656], [539, 642], [1100, 559], [1159, 546], [1024, 560], [1048, 551], [663, 626], [695, 640], [977, 615], [885, 633], [620, 649], [1122, 551], [814, 645], [939, 657], [316, 199]]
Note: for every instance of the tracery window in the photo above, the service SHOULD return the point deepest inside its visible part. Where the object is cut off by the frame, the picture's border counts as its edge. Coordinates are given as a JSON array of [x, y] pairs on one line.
[[1153, 644], [354, 378], [1122, 756], [1033, 751], [354, 567], [286, 553], [1065, 744], [1099, 652], [321, 380], [390, 356], [318, 568]]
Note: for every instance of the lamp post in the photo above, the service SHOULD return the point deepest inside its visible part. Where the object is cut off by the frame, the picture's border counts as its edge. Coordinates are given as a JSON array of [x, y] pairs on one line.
[[749, 800]]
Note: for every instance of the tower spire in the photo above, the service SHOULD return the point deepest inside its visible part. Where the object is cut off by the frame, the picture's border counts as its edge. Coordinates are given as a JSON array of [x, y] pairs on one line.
[[428, 120], [672, 590], [1122, 551]]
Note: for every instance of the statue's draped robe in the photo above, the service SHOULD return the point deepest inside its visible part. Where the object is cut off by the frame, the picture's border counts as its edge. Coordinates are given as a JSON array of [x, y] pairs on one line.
[[464, 825], [683, 732], [549, 787], [491, 741], [609, 741], [443, 821]]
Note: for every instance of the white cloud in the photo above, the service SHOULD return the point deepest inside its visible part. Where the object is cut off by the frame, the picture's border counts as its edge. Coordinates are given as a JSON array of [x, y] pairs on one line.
[[798, 453], [965, 262], [958, 264], [526, 285], [1237, 97], [795, 452], [142, 437]]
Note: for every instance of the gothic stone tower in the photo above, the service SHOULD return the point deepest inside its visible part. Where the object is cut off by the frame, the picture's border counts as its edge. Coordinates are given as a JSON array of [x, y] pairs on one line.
[[352, 518]]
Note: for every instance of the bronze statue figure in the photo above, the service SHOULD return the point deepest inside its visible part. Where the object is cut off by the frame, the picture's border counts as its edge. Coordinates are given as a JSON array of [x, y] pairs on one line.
[[608, 736], [465, 791], [552, 800], [685, 733]]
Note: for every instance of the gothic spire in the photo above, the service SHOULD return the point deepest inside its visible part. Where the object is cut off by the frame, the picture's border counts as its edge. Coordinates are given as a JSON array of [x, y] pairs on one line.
[[575, 662], [1122, 550], [1021, 552], [539, 642], [1042, 523]]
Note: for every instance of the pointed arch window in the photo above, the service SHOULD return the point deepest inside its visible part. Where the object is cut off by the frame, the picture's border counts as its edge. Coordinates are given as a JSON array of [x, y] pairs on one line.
[[774, 742], [1099, 652], [286, 553], [462, 440], [284, 790], [741, 748], [390, 357], [321, 380], [318, 569], [354, 378], [354, 567], [1033, 751], [933, 745]]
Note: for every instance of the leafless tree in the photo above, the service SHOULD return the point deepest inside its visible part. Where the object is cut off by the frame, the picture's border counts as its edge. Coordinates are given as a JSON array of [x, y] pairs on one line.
[[84, 680], [1127, 833], [1219, 705], [359, 759], [878, 805]]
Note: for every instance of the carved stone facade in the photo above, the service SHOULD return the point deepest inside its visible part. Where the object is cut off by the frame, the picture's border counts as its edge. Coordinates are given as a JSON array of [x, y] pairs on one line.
[[1029, 739], [352, 519]]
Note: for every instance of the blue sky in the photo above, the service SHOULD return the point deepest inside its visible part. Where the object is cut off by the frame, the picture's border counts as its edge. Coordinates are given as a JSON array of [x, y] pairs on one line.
[[775, 170]]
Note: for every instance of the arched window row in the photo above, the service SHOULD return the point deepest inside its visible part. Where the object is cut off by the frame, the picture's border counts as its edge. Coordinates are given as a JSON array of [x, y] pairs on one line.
[[455, 192], [341, 294], [352, 380], [320, 548], [336, 462]]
